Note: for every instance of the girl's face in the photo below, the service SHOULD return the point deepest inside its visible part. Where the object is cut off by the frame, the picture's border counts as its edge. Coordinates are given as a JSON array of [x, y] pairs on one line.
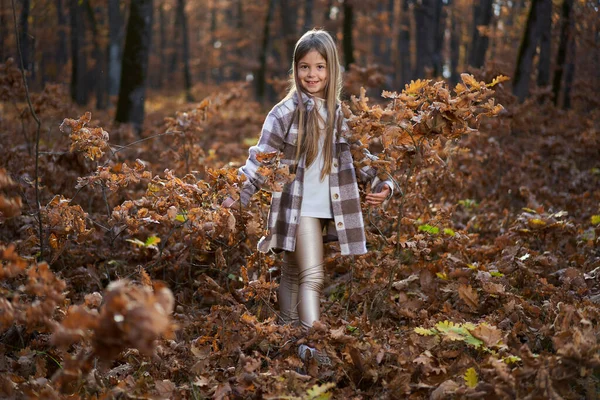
[[312, 73]]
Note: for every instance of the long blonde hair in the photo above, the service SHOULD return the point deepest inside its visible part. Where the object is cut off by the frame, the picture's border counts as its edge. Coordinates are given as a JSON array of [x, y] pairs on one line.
[[308, 122]]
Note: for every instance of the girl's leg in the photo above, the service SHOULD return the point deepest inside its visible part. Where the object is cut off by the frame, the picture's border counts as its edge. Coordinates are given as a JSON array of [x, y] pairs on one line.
[[309, 259], [288, 290]]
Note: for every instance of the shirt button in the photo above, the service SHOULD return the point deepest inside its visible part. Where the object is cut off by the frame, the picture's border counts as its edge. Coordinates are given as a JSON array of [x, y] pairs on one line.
[[336, 196], [340, 224]]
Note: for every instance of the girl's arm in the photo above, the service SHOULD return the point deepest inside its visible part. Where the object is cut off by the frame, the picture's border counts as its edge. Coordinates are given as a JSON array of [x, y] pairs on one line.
[[271, 140]]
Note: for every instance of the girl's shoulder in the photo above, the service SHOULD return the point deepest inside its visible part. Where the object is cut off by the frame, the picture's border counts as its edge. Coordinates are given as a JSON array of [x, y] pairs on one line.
[[285, 107]]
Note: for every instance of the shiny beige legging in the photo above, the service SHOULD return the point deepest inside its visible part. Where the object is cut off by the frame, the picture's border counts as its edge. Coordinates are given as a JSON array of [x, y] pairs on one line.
[[302, 275]]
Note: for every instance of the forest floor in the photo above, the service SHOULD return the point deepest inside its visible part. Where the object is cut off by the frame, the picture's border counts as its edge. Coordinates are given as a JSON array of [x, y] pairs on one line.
[[481, 281]]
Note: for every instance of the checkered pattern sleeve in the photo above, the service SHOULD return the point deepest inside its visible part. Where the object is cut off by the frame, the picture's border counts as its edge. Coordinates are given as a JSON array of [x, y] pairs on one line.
[[271, 139]]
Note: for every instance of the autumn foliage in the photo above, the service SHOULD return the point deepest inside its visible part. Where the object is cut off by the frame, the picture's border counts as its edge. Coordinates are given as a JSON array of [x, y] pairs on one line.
[[481, 279]]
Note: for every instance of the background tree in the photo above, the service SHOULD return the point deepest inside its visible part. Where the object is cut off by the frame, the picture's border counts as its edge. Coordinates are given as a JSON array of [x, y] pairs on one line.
[[266, 38], [115, 45], [482, 17], [527, 49], [132, 92], [347, 43], [185, 51], [79, 92], [25, 40]]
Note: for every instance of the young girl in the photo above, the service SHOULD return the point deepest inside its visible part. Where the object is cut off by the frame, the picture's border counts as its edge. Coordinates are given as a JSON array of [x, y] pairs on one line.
[[309, 130]]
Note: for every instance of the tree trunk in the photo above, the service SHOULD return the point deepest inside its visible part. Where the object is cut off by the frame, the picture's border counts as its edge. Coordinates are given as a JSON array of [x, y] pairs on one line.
[[215, 73], [405, 70], [24, 35], [238, 72], [454, 47], [439, 23], [288, 23], [262, 61], [115, 36], [308, 17], [565, 34], [162, 43], [62, 55], [425, 19], [570, 65], [3, 32], [527, 50], [482, 16], [545, 34], [78, 55], [187, 77], [130, 107], [347, 43], [100, 81]]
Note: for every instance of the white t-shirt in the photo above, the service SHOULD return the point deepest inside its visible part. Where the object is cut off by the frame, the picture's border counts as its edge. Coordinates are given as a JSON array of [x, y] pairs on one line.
[[316, 200]]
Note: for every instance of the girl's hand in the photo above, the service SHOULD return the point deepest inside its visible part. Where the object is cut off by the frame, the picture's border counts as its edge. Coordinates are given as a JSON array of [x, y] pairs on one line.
[[228, 202], [375, 199]]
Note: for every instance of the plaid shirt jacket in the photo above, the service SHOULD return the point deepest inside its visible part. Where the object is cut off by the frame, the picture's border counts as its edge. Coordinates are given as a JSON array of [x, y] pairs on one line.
[[347, 225]]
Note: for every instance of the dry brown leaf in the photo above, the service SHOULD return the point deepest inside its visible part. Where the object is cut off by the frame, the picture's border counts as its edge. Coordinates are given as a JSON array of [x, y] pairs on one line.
[[469, 296]]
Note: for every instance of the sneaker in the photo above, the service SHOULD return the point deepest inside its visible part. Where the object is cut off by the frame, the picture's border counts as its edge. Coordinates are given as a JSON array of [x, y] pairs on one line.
[[306, 353]]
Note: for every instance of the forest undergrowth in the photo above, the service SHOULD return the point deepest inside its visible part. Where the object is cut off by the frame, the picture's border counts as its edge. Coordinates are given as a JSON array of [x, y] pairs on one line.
[[481, 281]]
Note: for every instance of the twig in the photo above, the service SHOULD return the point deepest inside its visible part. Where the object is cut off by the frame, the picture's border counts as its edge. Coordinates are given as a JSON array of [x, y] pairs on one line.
[[37, 135]]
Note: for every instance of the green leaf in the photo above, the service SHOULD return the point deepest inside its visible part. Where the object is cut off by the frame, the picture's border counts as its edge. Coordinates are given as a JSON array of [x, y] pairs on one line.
[[473, 341], [319, 392], [425, 332], [433, 230], [442, 275], [471, 266], [152, 241], [351, 328], [511, 359], [449, 232], [137, 242], [180, 218], [595, 219], [471, 378], [496, 274]]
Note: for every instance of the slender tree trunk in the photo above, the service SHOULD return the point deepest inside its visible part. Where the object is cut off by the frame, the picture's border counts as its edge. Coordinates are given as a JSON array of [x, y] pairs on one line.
[[387, 53], [570, 65], [545, 35], [162, 43], [439, 23], [262, 61], [238, 69], [100, 81], [187, 77], [308, 15], [527, 50], [288, 23], [405, 69], [215, 73], [347, 43], [425, 13], [62, 55], [132, 91], [482, 16], [78, 55], [24, 33], [454, 47], [115, 36], [567, 8], [3, 32]]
